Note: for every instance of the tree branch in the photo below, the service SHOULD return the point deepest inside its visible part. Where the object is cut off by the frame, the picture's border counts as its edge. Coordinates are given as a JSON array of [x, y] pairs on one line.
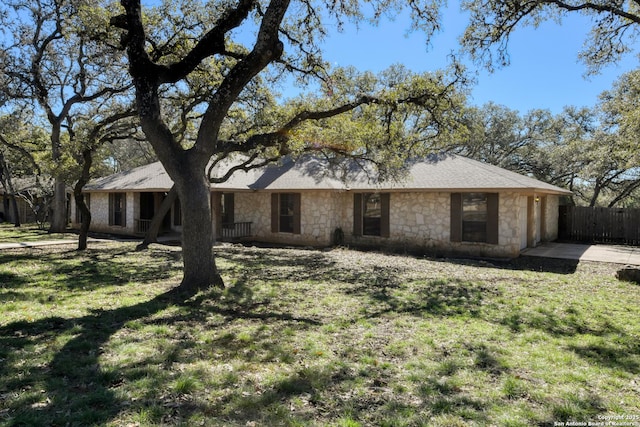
[[211, 43]]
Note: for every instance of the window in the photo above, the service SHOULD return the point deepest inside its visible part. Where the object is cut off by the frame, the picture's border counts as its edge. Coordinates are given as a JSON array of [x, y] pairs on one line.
[[117, 209], [285, 213], [474, 217], [371, 214]]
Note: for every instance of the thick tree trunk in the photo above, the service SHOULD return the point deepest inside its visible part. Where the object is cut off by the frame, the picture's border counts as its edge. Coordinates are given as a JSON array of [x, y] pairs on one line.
[[86, 221], [59, 207], [158, 217], [200, 270], [87, 161]]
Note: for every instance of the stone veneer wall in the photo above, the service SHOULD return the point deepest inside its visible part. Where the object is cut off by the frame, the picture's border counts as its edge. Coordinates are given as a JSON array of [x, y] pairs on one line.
[[508, 225], [419, 221], [320, 210], [422, 222], [100, 213], [552, 215]]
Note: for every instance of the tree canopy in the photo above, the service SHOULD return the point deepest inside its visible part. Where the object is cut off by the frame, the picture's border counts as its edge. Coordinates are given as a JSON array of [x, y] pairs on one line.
[[227, 49], [57, 66], [492, 22]]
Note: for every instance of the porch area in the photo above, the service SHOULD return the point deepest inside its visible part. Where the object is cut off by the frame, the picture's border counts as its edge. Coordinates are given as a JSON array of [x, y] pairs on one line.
[[229, 232]]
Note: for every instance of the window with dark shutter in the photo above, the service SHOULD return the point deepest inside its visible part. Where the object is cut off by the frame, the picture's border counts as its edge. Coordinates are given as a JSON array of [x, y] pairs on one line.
[[456, 217], [117, 209], [371, 212], [474, 217], [285, 213], [357, 214]]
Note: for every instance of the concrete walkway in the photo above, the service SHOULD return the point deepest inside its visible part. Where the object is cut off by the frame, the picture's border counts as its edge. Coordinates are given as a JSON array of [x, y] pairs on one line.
[[74, 241], [38, 243], [599, 253], [35, 244]]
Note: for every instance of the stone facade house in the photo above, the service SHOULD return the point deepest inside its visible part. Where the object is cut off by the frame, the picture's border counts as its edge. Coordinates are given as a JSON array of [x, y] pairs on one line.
[[442, 205]]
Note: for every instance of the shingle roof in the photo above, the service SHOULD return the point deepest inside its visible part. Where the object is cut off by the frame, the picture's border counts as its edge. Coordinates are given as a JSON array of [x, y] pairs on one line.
[[151, 177], [452, 172], [435, 173]]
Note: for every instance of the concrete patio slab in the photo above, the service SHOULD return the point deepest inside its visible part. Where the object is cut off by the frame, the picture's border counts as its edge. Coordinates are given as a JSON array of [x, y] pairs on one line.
[[599, 253]]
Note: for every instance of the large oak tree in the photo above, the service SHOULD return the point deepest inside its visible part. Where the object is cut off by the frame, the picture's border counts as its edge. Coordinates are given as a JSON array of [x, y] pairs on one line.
[[232, 44]]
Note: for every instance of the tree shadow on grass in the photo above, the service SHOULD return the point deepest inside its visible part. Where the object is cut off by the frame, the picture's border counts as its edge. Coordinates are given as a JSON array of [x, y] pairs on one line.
[[68, 385], [379, 285], [81, 392], [77, 391], [87, 271], [81, 389], [567, 324], [611, 355]]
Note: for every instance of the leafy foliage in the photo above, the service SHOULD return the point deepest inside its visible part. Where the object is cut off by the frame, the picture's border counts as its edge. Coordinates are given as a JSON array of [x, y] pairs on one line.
[[613, 32]]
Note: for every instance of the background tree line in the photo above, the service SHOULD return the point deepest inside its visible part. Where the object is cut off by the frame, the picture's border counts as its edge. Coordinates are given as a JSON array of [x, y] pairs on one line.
[[594, 151]]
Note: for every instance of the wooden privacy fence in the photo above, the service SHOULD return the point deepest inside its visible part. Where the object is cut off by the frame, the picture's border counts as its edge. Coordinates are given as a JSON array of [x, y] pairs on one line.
[[599, 225]]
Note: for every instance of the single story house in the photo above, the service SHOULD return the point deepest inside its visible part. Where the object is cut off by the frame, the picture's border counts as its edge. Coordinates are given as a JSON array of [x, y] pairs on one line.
[[443, 204]]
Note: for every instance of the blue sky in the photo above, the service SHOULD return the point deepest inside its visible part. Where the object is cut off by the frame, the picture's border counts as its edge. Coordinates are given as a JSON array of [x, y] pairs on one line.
[[545, 71]]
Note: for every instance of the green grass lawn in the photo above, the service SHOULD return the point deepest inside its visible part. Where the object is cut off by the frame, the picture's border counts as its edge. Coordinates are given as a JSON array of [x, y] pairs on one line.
[[301, 337], [28, 233]]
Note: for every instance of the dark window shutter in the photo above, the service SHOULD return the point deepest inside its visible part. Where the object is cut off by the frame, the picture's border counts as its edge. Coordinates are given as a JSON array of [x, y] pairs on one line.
[[357, 214], [385, 207], [456, 217], [492, 218], [124, 209], [275, 215], [111, 207], [297, 217], [229, 207]]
